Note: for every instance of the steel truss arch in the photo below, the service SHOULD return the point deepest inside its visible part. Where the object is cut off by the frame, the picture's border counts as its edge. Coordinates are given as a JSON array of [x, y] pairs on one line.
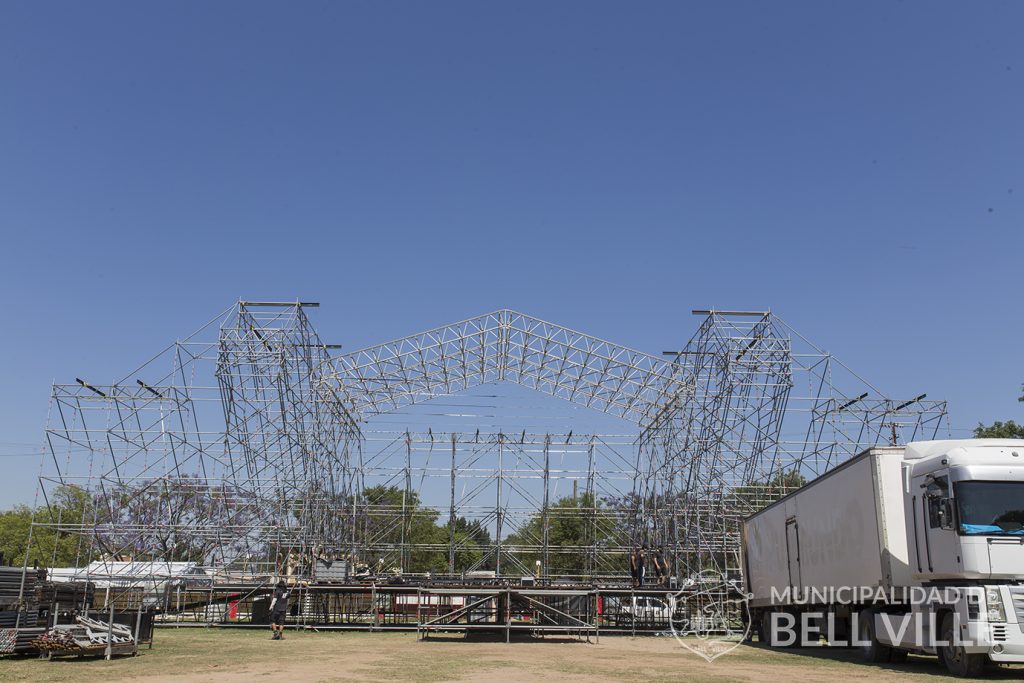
[[513, 347]]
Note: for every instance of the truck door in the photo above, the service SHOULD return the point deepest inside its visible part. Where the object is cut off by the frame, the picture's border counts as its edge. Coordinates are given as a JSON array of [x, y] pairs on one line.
[[942, 543], [793, 555]]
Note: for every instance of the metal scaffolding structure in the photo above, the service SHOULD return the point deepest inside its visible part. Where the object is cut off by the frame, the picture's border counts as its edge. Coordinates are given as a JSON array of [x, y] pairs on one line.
[[506, 346], [246, 449], [768, 412], [227, 448]]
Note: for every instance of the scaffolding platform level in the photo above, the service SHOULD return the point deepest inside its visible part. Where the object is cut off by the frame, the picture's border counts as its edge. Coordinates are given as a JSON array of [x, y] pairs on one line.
[[253, 450], [496, 610]]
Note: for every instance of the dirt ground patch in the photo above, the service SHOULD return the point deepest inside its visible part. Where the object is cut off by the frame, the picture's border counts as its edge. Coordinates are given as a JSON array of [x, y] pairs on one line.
[[194, 655]]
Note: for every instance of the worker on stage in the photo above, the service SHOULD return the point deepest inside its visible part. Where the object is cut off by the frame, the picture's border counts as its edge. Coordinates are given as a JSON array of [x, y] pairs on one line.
[[638, 566], [660, 567]]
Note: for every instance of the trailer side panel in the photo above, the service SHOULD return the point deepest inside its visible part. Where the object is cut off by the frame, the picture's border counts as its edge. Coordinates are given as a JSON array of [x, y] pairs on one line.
[[831, 533]]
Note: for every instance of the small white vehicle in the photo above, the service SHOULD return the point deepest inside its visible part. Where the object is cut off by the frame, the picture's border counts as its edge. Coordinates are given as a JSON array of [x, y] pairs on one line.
[[641, 610]]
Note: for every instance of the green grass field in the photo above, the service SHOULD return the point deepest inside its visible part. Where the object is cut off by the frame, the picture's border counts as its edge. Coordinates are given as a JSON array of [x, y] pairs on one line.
[[243, 655]]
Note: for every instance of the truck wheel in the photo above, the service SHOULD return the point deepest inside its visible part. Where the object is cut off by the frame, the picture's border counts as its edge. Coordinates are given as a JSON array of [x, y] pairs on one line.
[[874, 651], [766, 629], [842, 632], [750, 628], [767, 636], [957, 661], [757, 629]]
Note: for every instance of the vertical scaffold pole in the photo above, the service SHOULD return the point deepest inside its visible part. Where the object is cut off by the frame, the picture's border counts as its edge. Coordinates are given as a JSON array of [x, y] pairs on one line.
[[451, 515], [110, 626], [407, 504], [545, 510], [498, 511], [592, 511]]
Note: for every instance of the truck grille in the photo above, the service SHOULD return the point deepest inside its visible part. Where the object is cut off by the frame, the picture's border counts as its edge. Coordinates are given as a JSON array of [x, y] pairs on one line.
[[1017, 596], [999, 633]]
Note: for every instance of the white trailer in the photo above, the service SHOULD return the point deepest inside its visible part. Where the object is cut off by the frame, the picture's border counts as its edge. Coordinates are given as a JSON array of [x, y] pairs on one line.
[[915, 549], [832, 532]]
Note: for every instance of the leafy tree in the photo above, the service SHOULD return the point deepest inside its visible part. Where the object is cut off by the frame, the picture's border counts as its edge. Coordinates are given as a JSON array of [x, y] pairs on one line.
[[393, 519], [178, 519], [755, 495], [14, 525], [472, 540], [1001, 430], [573, 523], [53, 544], [471, 529], [640, 519], [158, 518], [787, 481]]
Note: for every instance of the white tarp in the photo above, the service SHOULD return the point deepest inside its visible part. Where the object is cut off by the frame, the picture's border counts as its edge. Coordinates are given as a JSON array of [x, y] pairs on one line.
[[152, 574]]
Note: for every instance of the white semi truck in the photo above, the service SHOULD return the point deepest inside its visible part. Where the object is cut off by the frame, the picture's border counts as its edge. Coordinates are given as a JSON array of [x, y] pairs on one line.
[[898, 550]]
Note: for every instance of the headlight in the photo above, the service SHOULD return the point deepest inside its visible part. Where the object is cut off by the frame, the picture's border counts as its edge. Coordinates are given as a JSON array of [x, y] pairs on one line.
[[994, 599]]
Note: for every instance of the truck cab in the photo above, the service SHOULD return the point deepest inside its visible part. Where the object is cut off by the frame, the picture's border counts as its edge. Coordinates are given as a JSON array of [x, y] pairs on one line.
[[965, 505], [964, 513], [915, 549]]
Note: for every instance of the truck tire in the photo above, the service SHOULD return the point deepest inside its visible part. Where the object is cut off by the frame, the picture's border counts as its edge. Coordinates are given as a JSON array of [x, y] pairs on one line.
[[874, 652], [757, 628], [766, 631], [751, 628], [957, 661], [843, 632], [764, 628]]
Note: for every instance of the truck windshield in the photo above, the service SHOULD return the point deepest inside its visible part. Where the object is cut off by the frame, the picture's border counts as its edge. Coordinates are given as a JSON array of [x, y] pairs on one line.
[[991, 507]]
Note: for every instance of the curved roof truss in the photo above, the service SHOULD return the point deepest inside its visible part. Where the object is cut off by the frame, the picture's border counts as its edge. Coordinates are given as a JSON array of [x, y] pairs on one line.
[[509, 346]]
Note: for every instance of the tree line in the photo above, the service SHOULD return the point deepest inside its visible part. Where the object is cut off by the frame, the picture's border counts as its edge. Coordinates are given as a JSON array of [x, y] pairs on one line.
[[1001, 430], [154, 518]]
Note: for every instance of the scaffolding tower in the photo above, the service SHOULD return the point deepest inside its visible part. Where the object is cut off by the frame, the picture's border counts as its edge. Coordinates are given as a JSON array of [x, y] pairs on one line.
[[245, 448]]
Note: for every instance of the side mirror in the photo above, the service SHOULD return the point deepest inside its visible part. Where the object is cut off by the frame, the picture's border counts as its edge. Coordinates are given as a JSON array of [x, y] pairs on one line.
[[935, 487]]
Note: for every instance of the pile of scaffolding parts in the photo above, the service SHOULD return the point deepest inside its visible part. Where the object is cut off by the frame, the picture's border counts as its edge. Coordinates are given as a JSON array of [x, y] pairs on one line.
[[86, 637]]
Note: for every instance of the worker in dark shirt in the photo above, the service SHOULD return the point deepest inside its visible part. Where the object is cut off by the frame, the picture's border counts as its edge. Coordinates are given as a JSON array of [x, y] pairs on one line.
[[638, 566], [278, 610], [642, 562], [660, 567]]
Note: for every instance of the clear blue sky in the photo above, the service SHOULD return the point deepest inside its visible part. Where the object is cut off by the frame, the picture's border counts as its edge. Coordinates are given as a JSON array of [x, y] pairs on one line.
[[856, 167]]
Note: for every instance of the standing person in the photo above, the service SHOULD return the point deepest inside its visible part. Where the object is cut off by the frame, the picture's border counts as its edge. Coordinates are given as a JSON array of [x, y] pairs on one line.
[[660, 567], [278, 610], [634, 572], [641, 565]]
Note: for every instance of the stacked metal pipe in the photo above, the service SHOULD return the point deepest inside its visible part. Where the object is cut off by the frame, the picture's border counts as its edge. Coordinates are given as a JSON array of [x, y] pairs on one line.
[[86, 636]]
